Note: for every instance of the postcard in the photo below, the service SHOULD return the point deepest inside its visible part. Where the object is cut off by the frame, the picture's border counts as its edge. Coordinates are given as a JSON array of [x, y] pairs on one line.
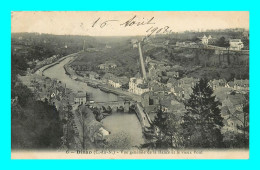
[[130, 85]]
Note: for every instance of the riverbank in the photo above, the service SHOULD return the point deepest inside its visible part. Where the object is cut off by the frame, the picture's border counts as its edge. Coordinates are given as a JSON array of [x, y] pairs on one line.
[[123, 126], [143, 117], [40, 70], [100, 85]]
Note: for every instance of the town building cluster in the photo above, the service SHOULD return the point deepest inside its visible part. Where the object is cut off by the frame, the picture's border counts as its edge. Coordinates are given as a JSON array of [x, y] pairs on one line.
[[166, 89], [208, 41]]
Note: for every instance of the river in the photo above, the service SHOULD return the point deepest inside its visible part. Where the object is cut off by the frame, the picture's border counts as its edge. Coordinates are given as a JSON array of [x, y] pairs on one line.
[[120, 124]]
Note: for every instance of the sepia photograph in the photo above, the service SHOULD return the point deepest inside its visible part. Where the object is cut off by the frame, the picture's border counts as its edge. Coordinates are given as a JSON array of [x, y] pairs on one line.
[[130, 85]]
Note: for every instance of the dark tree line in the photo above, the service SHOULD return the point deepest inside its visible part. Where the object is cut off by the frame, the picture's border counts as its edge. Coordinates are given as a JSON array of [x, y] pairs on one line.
[[199, 127], [202, 121], [34, 124]]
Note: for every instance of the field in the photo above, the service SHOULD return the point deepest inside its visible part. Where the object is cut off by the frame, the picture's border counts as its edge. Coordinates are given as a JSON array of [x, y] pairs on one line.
[[123, 55]]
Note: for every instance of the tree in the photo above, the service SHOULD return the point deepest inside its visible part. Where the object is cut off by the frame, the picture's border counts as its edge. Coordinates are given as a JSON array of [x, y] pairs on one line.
[[222, 42], [245, 122], [69, 122], [169, 130], [23, 93], [202, 121], [83, 112]]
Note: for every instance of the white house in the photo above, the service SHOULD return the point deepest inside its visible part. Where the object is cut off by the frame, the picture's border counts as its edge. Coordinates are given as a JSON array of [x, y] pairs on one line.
[[80, 98], [205, 39], [117, 82], [138, 86], [235, 44]]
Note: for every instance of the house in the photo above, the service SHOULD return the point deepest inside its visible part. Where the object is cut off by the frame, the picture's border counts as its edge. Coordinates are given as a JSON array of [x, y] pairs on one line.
[[180, 44], [93, 75], [107, 77], [230, 85], [158, 87], [107, 65], [173, 74], [112, 65], [165, 105], [240, 85], [134, 42], [94, 130], [184, 87], [236, 44], [102, 66], [137, 85], [205, 39], [170, 104], [187, 81], [80, 98], [142, 88], [234, 102], [135, 46], [150, 99], [225, 113], [117, 82], [28, 71], [152, 72], [214, 84], [233, 121]]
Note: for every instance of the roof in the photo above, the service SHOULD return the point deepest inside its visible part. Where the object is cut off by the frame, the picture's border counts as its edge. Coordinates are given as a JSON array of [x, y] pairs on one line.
[[235, 40], [237, 112], [165, 102], [172, 81], [171, 73], [225, 111], [121, 80], [231, 84], [218, 81], [241, 82], [80, 95], [237, 99], [143, 86], [188, 80]]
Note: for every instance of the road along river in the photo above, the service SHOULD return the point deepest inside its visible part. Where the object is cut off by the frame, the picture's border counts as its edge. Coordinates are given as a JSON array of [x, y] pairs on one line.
[[125, 126]]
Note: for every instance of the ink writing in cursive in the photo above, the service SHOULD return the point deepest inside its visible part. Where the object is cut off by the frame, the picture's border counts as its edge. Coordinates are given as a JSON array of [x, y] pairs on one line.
[[132, 22], [102, 24]]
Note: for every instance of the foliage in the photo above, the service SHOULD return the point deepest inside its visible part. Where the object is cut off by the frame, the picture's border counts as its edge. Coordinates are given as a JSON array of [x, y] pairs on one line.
[[23, 94], [170, 131], [202, 121], [118, 140], [35, 124], [221, 42]]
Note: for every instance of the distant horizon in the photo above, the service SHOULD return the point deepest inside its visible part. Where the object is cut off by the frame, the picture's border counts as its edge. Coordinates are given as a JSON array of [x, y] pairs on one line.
[[127, 23], [126, 35]]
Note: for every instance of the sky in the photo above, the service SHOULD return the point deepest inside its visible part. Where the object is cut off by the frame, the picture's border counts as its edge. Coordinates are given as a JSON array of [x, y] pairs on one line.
[[125, 23]]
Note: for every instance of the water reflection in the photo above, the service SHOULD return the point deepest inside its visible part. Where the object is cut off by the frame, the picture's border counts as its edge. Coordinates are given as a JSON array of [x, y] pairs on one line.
[[58, 72], [125, 127]]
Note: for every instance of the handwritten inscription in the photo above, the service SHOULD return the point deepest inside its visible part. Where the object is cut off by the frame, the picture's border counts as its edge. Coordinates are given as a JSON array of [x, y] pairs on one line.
[[134, 22]]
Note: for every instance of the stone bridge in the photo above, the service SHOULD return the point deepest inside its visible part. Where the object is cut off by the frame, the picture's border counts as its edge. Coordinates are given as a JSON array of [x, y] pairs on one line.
[[114, 105]]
